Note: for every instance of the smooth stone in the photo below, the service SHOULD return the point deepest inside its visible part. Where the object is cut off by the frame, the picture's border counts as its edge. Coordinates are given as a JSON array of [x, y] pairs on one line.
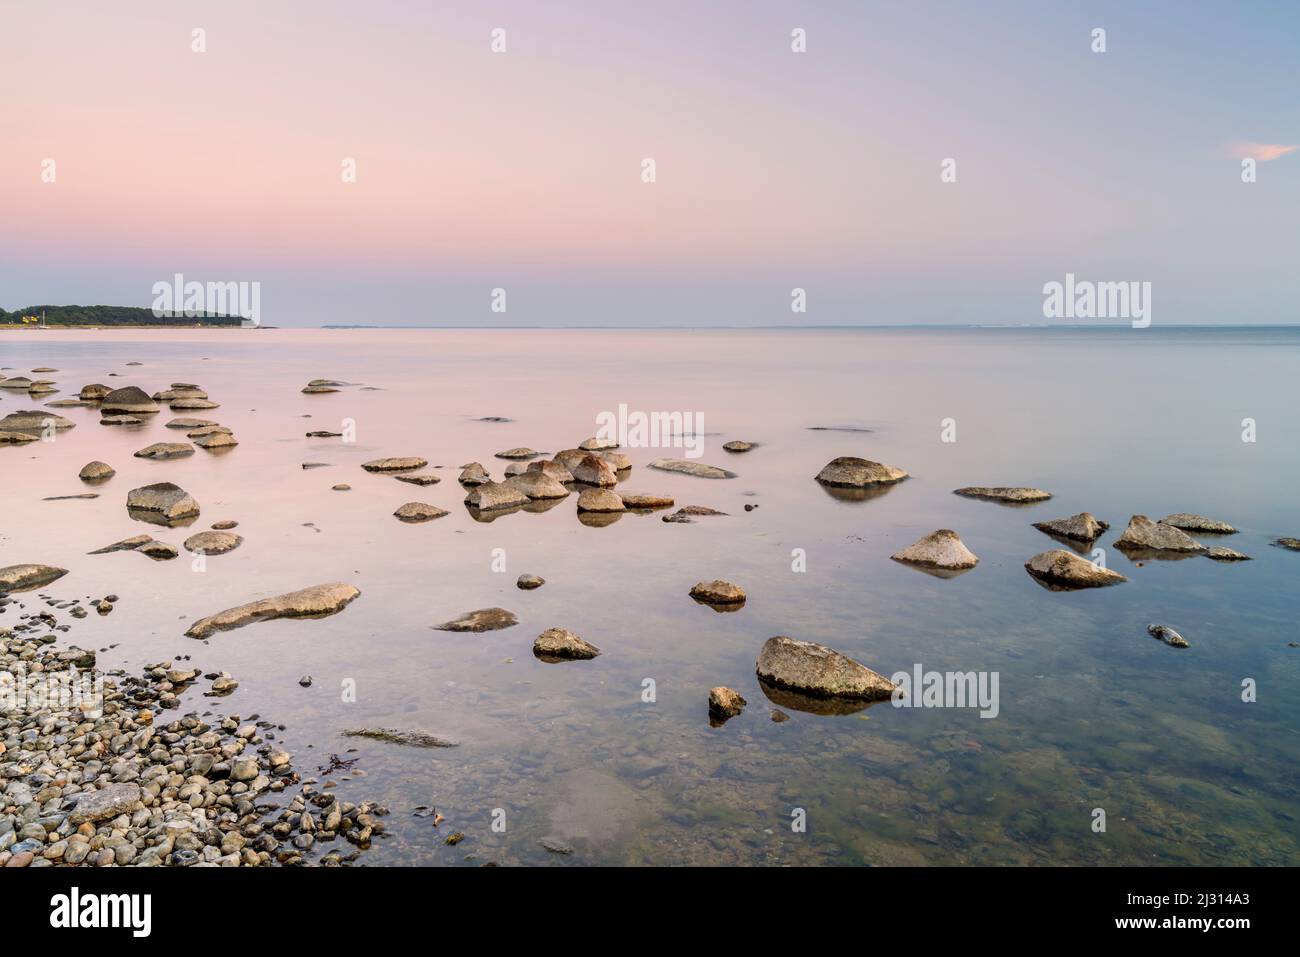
[[96, 472], [1221, 554], [643, 500], [213, 542], [317, 601], [593, 470], [697, 469], [1083, 527], [536, 485], [166, 499], [848, 471], [1167, 635], [341, 487], [397, 464], [1197, 523], [1013, 494], [942, 549], [1144, 534], [419, 512], [484, 619], [158, 551], [518, 453], [192, 405], [32, 420], [128, 400], [184, 422], [18, 382], [529, 582], [28, 576], [718, 592], [737, 445], [1067, 570], [318, 389], [224, 526], [569, 458], [599, 500], [494, 495], [121, 420], [559, 644], [424, 479], [165, 450], [815, 670]]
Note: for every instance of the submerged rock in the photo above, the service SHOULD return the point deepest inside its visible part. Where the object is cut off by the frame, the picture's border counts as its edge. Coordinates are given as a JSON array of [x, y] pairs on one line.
[[224, 525], [158, 551], [128, 400], [942, 549], [414, 739], [1291, 544], [16, 383], [17, 438], [317, 601], [697, 469], [818, 671], [121, 420], [593, 470], [419, 512], [165, 500], [1167, 635], [1144, 534], [1066, 570], [28, 576], [399, 464], [213, 542], [559, 644], [33, 420], [495, 495], [1083, 527], [599, 500], [96, 472], [484, 619], [529, 582], [125, 545], [737, 445], [215, 440], [536, 485], [165, 450], [423, 479], [1015, 495], [185, 422], [718, 592], [1220, 554], [1197, 523], [192, 405], [724, 703], [848, 471], [688, 513]]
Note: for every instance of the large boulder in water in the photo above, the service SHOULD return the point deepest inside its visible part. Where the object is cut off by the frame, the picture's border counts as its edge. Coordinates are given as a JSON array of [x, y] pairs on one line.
[[494, 495], [942, 550], [164, 501], [593, 470], [560, 644], [849, 471], [536, 485], [318, 601], [1064, 570], [818, 671], [1143, 534], [599, 500], [1083, 527], [128, 400], [406, 463]]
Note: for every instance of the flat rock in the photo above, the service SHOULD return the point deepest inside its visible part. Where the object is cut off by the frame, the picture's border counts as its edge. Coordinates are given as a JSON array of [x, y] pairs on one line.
[[33, 420], [186, 422], [213, 542], [158, 551], [17, 438], [1221, 554], [725, 703], [942, 549], [165, 450], [215, 440], [643, 500], [125, 545], [318, 601], [17, 383], [24, 577], [419, 512], [1197, 523], [128, 400], [1016, 495], [600, 500], [595, 444], [108, 802], [121, 419], [697, 469], [848, 471], [1083, 527], [318, 389], [718, 592], [1144, 534], [518, 453], [422, 479], [96, 472], [536, 485], [409, 738], [560, 644], [484, 619], [818, 671], [1291, 544], [224, 525], [397, 464], [494, 495], [192, 405], [1167, 635], [1066, 570], [593, 470]]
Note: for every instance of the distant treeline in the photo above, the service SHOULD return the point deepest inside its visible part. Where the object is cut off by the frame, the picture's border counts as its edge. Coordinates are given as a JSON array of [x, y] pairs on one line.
[[107, 316]]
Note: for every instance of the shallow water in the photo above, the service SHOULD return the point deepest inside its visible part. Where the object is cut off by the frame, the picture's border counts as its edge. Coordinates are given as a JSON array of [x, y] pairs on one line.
[[1093, 713]]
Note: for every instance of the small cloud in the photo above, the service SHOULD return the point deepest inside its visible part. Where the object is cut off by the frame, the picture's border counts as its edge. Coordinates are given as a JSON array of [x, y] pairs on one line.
[[1263, 152]]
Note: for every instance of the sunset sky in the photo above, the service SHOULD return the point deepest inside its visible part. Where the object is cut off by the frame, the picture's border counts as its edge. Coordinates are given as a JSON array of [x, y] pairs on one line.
[[775, 169]]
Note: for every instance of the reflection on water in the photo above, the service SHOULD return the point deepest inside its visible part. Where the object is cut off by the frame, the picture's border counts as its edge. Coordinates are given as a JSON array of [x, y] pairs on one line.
[[613, 760]]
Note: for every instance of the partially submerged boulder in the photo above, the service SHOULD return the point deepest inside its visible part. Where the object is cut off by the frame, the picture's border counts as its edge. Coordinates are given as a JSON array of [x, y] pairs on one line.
[[1083, 527], [318, 601], [1143, 534], [128, 400], [641, 500], [96, 472], [215, 542], [215, 440], [599, 500], [1221, 554], [474, 474], [1014, 495], [165, 450], [33, 420], [419, 512], [942, 549], [422, 479], [1064, 570], [555, 470], [94, 392], [1197, 523], [593, 470], [529, 582], [17, 438], [1168, 636], [166, 501], [815, 670], [718, 592], [536, 485], [518, 453], [495, 495], [849, 471], [484, 619], [406, 463], [28, 576], [560, 644], [697, 469], [724, 704]]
